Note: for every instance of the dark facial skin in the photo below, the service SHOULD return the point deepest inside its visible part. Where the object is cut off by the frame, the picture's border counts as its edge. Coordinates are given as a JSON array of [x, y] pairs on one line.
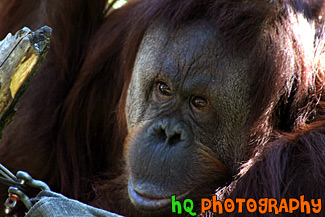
[[186, 109]]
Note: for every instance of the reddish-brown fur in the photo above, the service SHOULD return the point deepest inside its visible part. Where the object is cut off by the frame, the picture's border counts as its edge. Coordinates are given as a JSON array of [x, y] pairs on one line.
[[70, 124]]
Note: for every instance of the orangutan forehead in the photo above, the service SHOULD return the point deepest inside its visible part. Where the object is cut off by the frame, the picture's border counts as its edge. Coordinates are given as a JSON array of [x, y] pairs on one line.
[[188, 51], [185, 51], [199, 34]]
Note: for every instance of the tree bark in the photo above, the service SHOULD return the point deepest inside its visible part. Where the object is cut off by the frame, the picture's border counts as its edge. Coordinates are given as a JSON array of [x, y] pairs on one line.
[[20, 57]]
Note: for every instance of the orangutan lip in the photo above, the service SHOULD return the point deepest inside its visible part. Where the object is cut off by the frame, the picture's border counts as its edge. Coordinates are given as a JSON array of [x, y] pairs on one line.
[[150, 204]]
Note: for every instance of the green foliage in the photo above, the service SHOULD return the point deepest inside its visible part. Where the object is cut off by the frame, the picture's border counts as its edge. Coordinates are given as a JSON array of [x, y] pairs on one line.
[[118, 3]]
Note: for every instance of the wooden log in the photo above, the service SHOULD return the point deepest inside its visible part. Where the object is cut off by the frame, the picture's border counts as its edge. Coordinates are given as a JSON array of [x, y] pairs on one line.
[[20, 57]]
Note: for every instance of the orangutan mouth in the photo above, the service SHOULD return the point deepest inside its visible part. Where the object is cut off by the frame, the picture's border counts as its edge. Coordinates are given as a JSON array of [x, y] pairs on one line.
[[150, 204]]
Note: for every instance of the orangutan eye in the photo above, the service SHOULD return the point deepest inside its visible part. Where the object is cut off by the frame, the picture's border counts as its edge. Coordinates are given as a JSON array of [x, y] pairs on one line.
[[164, 89], [199, 102]]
